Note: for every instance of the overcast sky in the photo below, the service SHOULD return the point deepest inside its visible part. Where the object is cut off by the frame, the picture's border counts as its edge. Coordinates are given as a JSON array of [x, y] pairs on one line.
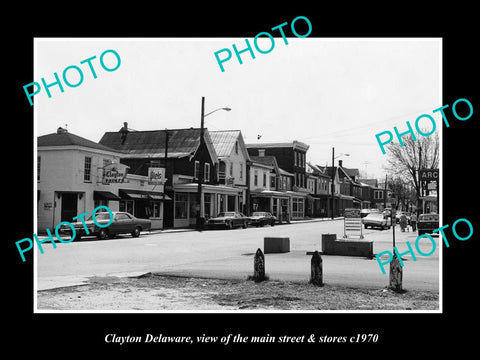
[[325, 92]]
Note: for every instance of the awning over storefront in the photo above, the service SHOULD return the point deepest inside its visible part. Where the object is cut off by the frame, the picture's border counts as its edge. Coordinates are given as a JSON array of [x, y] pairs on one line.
[[269, 193], [104, 195], [142, 194]]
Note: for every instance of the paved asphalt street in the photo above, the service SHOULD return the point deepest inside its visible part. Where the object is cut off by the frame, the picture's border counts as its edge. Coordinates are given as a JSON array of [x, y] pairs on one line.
[[229, 254]]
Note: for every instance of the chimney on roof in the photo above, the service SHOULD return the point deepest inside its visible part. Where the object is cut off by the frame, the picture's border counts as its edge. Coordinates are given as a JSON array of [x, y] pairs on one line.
[[61, 130], [124, 131], [340, 163]]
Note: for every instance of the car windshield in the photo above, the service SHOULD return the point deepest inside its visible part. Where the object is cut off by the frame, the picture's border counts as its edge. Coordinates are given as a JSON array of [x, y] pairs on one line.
[[226, 214], [258, 214]]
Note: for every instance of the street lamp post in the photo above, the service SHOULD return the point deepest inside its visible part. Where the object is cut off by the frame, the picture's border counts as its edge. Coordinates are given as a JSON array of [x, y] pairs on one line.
[[201, 210]]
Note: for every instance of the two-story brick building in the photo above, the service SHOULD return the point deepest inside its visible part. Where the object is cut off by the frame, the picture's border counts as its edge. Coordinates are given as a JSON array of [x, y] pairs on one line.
[[291, 161]]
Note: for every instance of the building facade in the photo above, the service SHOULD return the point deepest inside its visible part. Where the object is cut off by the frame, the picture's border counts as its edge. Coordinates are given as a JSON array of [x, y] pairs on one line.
[[291, 161], [76, 175], [182, 154]]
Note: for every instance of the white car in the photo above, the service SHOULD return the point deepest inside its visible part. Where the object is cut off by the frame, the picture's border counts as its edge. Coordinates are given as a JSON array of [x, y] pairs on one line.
[[377, 220]]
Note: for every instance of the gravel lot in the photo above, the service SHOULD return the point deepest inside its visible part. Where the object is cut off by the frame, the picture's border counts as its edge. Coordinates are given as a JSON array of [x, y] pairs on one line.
[[155, 293]]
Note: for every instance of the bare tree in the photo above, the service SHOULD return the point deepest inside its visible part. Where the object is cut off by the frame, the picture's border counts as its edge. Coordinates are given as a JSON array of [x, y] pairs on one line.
[[405, 161]]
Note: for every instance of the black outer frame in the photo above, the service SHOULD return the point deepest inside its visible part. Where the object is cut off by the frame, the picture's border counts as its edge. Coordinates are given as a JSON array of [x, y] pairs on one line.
[[85, 332]]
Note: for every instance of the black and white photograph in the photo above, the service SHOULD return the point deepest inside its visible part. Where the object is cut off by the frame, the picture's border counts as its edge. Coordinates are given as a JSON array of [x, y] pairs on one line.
[[225, 184], [224, 181]]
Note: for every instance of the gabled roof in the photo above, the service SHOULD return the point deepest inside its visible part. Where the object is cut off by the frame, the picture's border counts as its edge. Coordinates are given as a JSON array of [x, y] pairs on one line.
[[224, 142], [151, 143], [69, 139], [267, 160], [351, 172], [318, 170]]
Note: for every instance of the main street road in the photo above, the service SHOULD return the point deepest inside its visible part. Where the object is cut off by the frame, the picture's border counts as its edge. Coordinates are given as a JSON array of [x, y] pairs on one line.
[[229, 254]]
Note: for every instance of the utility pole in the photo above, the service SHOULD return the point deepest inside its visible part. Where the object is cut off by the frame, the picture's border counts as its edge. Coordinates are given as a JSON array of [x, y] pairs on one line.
[[333, 179], [165, 176], [385, 194], [200, 213]]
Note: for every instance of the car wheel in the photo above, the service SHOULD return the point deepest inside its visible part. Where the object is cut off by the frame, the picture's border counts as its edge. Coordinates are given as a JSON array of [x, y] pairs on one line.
[[102, 234], [136, 232], [245, 224], [229, 225], [273, 223], [365, 226]]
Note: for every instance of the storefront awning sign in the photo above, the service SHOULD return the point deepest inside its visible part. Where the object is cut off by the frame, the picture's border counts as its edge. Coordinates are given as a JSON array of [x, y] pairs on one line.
[[156, 176], [114, 173]]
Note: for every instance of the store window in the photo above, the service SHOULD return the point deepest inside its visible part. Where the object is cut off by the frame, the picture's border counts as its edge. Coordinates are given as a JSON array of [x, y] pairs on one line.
[[155, 209], [181, 205], [255, 178], [264, 180], [207, 204], [97, 203], [38, 167], [126, 206], [297, 207]]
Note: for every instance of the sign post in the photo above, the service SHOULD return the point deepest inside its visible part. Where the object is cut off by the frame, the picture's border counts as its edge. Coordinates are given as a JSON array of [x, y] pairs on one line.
[[352, 223]]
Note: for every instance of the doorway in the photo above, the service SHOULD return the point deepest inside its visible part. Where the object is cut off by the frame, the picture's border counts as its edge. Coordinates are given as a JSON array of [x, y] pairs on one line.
[[69, 206]]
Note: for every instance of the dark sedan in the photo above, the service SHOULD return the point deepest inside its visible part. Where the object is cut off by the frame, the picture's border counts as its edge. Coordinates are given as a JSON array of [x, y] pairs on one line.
[[123, 223], [228, 220], [427, 223], [261, 218]]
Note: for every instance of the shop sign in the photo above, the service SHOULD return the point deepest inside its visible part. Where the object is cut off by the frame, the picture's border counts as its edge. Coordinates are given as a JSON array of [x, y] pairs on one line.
[[352, 223], [156, 176], [428, 174], [114, 173]]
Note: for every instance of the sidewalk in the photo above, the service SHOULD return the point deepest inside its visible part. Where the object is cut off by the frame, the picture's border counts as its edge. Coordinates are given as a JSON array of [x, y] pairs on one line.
[[298, 221]]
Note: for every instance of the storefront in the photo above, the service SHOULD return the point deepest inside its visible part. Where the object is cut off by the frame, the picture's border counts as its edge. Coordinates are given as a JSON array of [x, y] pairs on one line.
[[215, 199], [75, 175], [275, 202], [298, 204]]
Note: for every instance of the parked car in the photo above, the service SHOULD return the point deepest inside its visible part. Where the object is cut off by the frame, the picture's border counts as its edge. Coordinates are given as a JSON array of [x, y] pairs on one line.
[[123, 223], [427, 223], [364, 212], [377, 220], [261, 218], [228, 220]]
